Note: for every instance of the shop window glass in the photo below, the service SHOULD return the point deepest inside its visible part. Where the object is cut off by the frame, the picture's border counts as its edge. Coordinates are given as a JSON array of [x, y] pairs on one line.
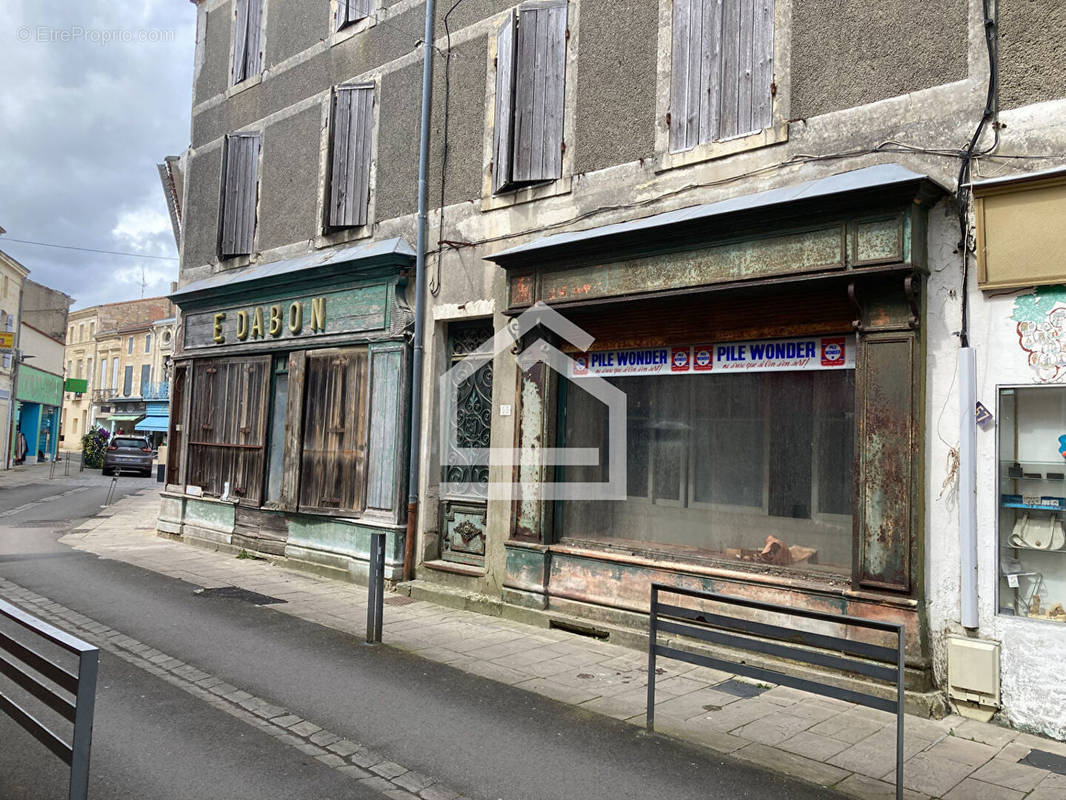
[[717, 463], [278, 408], [227, 427], [333, 454], [1032, 502]]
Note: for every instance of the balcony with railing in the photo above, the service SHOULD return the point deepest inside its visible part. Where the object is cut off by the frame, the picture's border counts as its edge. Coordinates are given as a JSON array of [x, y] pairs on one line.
[[156, 391]]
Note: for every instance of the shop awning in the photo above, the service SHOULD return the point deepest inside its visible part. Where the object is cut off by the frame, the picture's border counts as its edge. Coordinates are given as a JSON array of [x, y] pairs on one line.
[[153, 423], [125, 417], [343, 260], [877, 183]]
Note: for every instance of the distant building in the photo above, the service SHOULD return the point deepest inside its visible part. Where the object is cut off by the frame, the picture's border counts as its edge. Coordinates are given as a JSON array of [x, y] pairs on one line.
[[39, 392], [112, 347], [12, 277]]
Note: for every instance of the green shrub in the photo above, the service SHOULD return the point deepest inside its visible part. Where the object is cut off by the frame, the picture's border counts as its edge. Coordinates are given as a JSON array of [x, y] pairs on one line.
[[93, 445]]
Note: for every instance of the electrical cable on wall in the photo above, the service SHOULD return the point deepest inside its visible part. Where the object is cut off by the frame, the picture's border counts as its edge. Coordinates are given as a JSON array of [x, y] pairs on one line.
[[964, 169]]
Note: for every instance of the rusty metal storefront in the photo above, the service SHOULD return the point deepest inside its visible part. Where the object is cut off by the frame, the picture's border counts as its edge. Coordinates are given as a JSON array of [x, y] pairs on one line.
[[771, 352]]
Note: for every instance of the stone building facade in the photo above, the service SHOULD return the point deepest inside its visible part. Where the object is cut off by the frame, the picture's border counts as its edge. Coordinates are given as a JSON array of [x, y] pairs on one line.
[[695, 185]]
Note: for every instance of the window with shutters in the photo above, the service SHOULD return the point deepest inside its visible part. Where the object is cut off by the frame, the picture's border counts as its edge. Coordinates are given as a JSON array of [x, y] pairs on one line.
[[247, 45], [350, 156], [240, 184], [333, 452], [720, 95], [350, 12], [127, 382], [227, 427], [146, 378], [527, 140]]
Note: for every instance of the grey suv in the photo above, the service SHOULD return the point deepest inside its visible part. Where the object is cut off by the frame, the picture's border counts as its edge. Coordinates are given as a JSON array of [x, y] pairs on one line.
[[128, 454]]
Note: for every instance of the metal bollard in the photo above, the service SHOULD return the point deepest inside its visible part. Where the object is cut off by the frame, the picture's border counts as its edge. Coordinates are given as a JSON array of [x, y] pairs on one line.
[[375, 601]]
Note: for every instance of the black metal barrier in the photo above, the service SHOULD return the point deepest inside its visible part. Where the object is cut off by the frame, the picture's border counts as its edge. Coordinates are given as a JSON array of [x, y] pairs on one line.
[[821, 650], [36, 674]]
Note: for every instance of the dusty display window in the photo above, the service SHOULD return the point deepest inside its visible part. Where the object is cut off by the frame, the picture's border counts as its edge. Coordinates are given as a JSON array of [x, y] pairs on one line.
[[1032, 502], [749, 466]]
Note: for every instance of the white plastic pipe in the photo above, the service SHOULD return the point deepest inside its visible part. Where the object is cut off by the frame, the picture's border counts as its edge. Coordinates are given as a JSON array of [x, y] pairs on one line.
[[968, 487]]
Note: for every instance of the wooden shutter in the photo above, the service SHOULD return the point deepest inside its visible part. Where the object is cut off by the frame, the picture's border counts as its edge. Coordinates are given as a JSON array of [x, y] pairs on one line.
[[246, 56], [540, 69], [239, 193], [350, 178], [227, 426], [333, 457], [721, 70], [349, 11], [503, 127]]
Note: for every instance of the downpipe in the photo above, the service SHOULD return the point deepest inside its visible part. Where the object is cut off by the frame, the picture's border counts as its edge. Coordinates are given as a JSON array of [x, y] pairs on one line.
[[968, 488], [418, 351]]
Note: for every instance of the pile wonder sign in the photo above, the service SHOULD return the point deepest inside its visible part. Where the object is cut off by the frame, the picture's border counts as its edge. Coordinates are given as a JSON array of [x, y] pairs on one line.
[[772, 355]]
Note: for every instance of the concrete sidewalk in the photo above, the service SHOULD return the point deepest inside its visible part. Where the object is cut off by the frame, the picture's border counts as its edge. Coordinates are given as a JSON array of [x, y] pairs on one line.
[[819, 740]]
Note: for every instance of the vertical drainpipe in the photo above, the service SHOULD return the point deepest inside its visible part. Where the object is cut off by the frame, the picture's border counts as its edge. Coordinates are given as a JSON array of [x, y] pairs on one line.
[[420, 298], [967, 488]]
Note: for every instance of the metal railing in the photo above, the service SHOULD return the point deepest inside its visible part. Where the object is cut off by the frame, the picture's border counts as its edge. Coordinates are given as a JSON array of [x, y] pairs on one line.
[[818, 649], [156, 391], [36, 674]]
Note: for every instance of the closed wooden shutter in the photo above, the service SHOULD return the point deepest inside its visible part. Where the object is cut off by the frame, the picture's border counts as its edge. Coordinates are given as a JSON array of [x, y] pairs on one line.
[[240, 184], [350, 177], [349, 11], [721, 70], [333, 456], [246, 30], [540, 68], [503, 128], [227, 426]]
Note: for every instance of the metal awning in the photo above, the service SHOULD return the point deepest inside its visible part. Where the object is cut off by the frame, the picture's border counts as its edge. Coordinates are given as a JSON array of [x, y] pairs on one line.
[[153, 423], [883, 178], [125, 417], [365, 255]]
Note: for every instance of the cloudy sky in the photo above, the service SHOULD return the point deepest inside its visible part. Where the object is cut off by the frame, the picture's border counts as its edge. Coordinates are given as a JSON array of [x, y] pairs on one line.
[[94, 94]]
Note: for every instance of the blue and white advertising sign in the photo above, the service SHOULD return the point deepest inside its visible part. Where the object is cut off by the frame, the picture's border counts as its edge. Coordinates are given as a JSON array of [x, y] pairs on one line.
[[771, 355]]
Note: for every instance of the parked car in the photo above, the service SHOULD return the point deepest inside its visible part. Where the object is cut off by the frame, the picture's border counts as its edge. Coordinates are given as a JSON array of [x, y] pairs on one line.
[[128, 454]]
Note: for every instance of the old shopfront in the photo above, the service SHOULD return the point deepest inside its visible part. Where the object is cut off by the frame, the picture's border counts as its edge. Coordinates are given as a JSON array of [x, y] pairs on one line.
[[770, 350], [288, 409]]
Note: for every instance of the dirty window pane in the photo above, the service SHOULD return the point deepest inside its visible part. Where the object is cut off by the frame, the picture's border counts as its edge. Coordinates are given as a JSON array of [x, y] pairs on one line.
[[724, 467]]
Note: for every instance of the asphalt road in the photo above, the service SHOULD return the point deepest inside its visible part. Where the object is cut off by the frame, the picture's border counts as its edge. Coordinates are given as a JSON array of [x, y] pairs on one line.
[[152, 740]]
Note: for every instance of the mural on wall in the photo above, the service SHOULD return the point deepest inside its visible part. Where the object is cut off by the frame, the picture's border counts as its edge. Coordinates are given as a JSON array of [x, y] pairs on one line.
[[1041, 318]]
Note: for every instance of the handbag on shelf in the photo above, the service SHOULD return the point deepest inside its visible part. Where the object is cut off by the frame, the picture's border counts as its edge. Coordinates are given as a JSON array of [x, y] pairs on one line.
[[1038, 534]]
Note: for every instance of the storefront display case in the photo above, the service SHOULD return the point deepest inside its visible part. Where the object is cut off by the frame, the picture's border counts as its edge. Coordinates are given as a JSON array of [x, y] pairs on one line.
[[1032, 502]]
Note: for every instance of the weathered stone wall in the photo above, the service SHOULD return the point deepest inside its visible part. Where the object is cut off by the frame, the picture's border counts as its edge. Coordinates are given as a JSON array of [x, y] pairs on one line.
[[846, 54], [288, 186], [1032, 51]]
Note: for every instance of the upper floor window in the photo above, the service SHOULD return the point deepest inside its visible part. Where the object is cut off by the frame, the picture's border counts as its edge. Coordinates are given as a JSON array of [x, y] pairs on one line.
[[527, 139], [240, 183], [148, 343], [721, 71], [92, 329], [81, 332], [70, 334], [349, 11], [349, 192], [129, 345], [247, 53]]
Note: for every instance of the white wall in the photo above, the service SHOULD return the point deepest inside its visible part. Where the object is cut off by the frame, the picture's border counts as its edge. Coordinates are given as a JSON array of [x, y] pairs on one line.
[[1033, 679], [47, 352]]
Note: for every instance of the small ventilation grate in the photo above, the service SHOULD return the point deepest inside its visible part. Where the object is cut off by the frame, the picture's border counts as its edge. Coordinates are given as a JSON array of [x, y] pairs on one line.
[[237, 593], [580, 630]]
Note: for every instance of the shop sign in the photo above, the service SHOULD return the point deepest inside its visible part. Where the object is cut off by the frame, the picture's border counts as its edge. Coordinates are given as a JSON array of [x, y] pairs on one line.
[[776, 355], [7, 340], [37, 386], [346, 311]]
